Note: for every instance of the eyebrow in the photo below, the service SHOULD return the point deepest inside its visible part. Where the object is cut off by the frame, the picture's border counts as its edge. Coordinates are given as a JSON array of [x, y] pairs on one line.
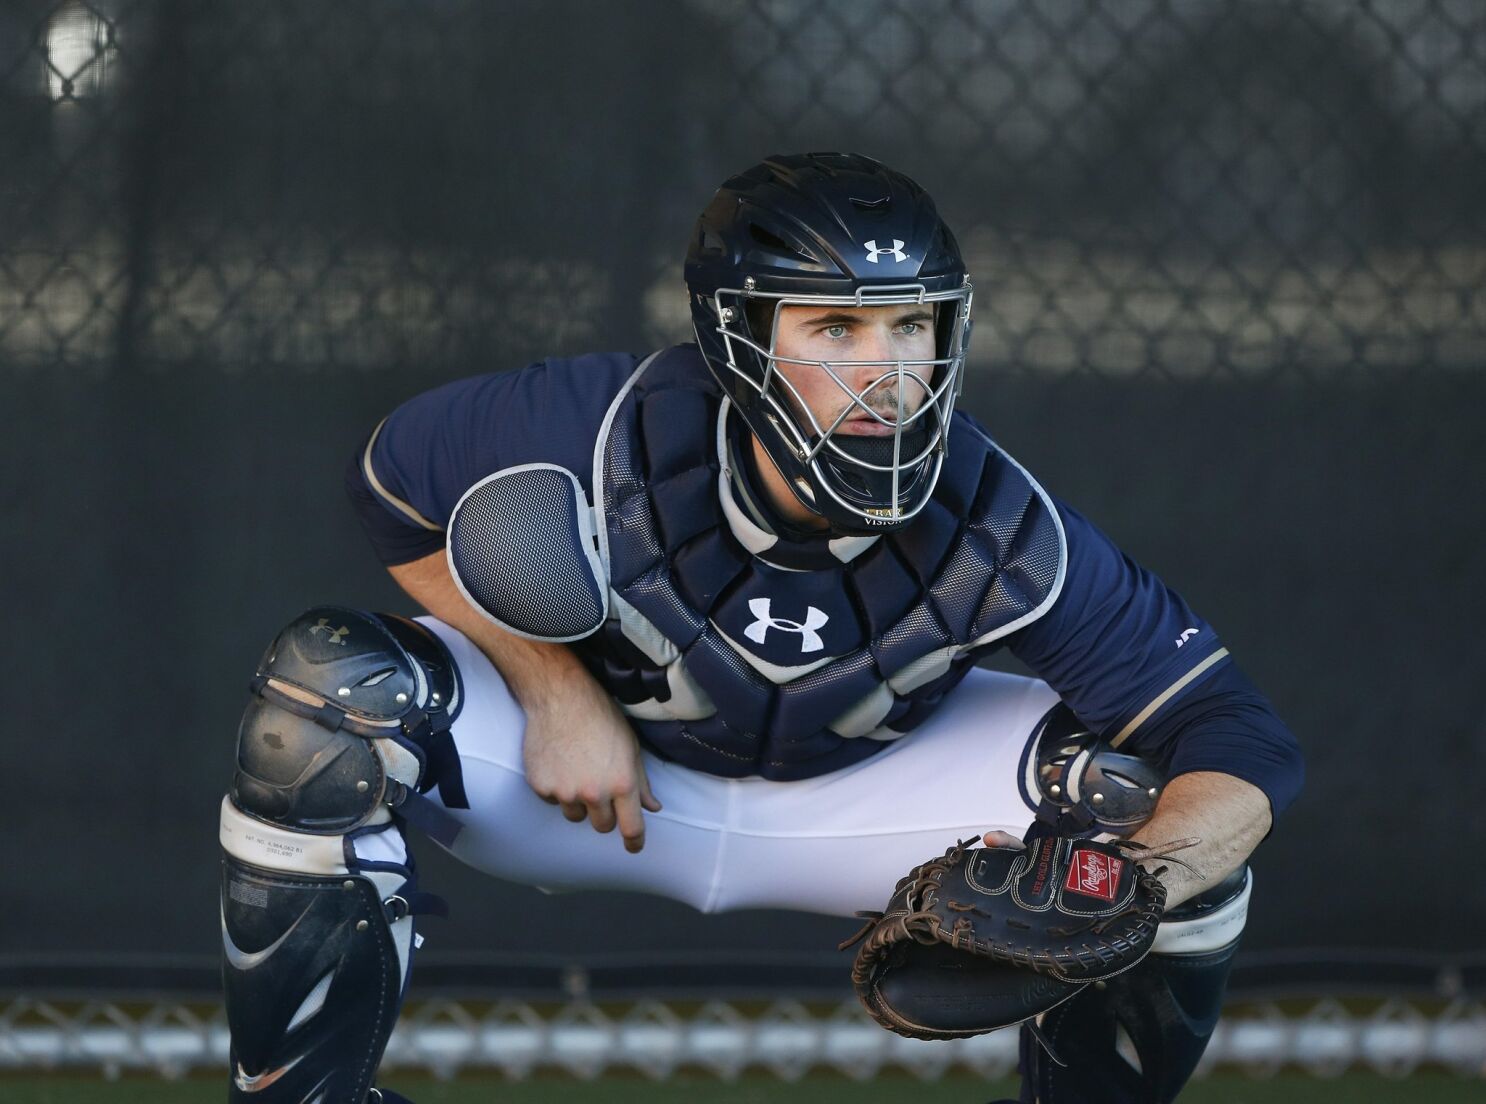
[[840, 318]]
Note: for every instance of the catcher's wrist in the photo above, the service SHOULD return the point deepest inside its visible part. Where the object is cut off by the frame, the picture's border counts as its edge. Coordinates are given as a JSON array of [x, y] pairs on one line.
[[1178, 877], [1180, 885]]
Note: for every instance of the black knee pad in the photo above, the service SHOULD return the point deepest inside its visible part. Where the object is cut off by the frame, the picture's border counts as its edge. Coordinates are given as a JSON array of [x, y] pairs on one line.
[[1136, 1038], [350, 722]]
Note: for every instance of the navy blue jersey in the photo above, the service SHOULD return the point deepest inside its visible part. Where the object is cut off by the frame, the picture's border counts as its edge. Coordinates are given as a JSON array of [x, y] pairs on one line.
[[1140, 668], [408, 475], [1127, 653]]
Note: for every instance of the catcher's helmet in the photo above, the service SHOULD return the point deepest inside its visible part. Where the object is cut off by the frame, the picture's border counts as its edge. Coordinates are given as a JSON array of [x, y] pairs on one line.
[[832, 229]]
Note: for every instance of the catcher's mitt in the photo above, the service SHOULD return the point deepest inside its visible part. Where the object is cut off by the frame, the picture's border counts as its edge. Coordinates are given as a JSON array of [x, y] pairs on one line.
[[988, 937]]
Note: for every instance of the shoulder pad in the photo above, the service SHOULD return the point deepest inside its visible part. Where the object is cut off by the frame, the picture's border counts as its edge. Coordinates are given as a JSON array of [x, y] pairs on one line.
[[523, 551]]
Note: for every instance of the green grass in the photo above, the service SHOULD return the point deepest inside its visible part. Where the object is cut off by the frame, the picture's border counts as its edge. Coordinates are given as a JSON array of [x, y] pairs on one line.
[[1433, 1088]]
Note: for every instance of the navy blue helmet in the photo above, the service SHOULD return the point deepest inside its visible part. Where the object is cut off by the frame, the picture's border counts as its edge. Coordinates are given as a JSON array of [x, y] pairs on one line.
[[838, 230]]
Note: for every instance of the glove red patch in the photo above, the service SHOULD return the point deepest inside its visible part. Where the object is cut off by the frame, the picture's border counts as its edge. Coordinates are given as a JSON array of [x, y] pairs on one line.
[[1094, 874]]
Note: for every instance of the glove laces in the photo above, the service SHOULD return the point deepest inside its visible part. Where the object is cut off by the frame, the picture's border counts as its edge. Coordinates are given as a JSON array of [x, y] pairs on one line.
[[918, 924]]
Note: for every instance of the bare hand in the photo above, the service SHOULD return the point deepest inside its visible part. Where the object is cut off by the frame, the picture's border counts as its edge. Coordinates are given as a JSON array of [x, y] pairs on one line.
[[995, 838], [582, 755]]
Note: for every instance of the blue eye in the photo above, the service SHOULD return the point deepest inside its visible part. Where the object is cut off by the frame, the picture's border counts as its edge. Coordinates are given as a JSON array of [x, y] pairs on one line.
[[910, 328], [836, 331]]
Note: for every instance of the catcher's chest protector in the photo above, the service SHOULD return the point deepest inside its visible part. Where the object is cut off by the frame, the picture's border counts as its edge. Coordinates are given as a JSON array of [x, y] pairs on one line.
[[739, 654]]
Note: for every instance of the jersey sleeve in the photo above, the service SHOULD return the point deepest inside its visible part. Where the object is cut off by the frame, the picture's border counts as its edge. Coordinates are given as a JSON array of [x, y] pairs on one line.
[[1142, 669], [412, 469]]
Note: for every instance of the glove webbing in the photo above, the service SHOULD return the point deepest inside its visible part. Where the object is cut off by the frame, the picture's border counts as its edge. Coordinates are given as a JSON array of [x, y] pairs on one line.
[[918, 925]]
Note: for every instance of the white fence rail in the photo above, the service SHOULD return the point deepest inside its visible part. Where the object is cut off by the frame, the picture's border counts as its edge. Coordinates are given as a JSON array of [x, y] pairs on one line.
[[787, 1039]]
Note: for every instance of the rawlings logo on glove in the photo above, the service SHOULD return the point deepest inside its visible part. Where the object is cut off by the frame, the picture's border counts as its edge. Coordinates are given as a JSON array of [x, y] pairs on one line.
[[988, 937], [1093, 874]]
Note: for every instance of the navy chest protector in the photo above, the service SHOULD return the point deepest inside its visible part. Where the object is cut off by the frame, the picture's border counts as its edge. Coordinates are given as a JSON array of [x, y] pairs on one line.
[[794, 658]]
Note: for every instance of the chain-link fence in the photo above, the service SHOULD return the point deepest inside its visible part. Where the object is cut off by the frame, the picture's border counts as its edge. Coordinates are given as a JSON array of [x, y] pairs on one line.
[[1182, 189], [1248, 237]]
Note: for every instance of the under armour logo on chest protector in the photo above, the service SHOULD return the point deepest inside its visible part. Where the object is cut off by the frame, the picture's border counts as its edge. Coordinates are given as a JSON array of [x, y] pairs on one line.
[[785, 623], [810, 640]]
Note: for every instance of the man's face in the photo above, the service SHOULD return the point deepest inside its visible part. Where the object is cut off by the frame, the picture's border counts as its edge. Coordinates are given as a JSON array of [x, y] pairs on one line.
[[874, 338]]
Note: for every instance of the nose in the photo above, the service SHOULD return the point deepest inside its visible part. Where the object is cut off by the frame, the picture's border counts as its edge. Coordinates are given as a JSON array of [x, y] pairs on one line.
[[876, 356], [877, 344]]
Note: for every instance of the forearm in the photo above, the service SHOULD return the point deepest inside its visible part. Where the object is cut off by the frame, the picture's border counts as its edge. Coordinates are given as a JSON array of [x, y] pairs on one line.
[[578, 748], [538, 674], [1227, 815]]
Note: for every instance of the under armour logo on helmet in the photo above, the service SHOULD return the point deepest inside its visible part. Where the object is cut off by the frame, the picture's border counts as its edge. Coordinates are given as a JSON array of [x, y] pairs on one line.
[[873, 252], [810, 640], [337, 636]]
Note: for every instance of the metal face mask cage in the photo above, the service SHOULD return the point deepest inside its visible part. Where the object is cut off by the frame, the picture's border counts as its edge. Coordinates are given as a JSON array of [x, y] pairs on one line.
[[814, 447]]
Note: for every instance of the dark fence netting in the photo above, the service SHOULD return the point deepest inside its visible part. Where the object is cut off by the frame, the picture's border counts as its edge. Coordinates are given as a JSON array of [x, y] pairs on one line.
[[1179, 190], [1230, 262]]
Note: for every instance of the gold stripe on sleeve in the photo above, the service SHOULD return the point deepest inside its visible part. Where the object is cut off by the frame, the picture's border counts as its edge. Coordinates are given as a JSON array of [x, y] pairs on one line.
[[1165, 696], [391, 499]]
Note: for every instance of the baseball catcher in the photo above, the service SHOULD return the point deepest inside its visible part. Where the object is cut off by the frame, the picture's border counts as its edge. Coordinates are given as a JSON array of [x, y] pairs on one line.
[[729, 601]]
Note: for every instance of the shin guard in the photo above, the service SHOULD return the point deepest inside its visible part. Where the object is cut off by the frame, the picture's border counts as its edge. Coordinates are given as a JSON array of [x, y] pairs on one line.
[[1137, 1037], [347, 730], [313, 981]]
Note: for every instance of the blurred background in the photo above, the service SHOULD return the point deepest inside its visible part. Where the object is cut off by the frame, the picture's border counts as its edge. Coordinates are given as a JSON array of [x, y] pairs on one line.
[[1230, 261]]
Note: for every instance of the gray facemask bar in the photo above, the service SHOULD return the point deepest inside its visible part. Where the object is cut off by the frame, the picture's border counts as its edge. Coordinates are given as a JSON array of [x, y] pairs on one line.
[[940, 400]]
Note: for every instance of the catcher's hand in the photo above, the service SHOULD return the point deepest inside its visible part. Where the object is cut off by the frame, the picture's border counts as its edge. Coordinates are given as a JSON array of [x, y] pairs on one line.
[[988, 937]]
